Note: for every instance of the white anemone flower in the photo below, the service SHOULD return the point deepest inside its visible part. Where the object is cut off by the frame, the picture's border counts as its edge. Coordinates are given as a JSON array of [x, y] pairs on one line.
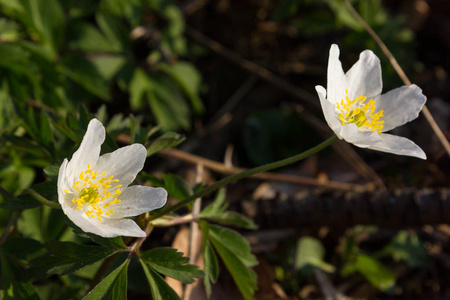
[[357, 111], [93, 190]]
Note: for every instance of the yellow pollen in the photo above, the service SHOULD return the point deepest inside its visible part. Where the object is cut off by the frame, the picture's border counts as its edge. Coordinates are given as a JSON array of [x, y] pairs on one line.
[[92, 195], [361, 112]]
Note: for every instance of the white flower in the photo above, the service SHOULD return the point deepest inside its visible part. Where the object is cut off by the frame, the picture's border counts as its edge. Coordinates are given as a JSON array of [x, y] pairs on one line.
[[357, 112], [93, 192]]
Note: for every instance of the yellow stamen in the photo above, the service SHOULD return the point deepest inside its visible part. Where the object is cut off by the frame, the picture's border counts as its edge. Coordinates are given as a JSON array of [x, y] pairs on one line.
[[92, 195], [360, 112]]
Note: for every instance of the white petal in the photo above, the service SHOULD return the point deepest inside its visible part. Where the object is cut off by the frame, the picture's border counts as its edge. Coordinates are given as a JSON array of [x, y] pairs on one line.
[[364, 77], [336, 83], [88, 152], [398, 145], [124, 163], [400, 105], [363, 139], [105, 228], [121, 227], [87, 224], [138, 199], [62, 180], [329, 111]]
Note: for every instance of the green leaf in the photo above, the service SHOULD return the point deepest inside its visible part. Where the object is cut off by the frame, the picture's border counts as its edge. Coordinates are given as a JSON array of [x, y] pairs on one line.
[[83, 72], [113, 287], [108, 66], [218, 206], [176, 186], [310, 253], [138, 88], [234, 242], [66, 257], [408, 248], [15, 288], [47, 16], [172, 263], [52, 172], [23, 248], [159, 287], [374, 271], [211, 265], [115, 242], [86, 37], [46, 134], [167, 140], [167, 104], [188, 78], [116, 33], [231, 218], [235, 253]]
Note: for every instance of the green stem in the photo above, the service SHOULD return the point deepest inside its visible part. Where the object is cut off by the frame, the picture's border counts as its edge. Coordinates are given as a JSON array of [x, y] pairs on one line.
[[241, 175], [43, 200]]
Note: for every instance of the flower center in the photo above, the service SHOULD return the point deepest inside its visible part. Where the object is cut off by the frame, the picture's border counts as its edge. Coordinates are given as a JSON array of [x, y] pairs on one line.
[[360, 111], [93, 195]]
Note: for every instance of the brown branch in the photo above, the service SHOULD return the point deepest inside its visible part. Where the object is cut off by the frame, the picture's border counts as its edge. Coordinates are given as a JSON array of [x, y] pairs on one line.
[[400, 73], [221, 168], [403, 208]]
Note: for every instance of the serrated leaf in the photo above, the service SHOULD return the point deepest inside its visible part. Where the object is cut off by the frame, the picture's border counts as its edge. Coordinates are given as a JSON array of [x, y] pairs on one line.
[[159, 287], [232, 218], [172, 263], [167, 140], [234, 242], [113, 287], [176, 186], [66, 257], [237, 258], [310, 253]]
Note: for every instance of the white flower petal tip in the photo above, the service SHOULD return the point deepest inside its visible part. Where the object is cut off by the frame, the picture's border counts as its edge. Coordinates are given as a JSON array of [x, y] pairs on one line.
[[93, 192], [357, 112]]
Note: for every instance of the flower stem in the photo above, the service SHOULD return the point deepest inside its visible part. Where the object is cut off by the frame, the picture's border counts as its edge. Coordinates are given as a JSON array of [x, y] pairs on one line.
[[244, 174], [43, 200]]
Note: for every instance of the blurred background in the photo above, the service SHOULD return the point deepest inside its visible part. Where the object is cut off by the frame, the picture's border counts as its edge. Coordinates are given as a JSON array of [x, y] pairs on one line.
[[237, 78]]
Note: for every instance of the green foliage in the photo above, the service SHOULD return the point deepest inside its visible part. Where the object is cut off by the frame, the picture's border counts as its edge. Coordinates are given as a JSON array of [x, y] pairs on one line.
[[66, 257], [159, 287], [373, 270], [236, 254], [408, 248], [216, 212], [310, 254], [171, 263], [114, 286]]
